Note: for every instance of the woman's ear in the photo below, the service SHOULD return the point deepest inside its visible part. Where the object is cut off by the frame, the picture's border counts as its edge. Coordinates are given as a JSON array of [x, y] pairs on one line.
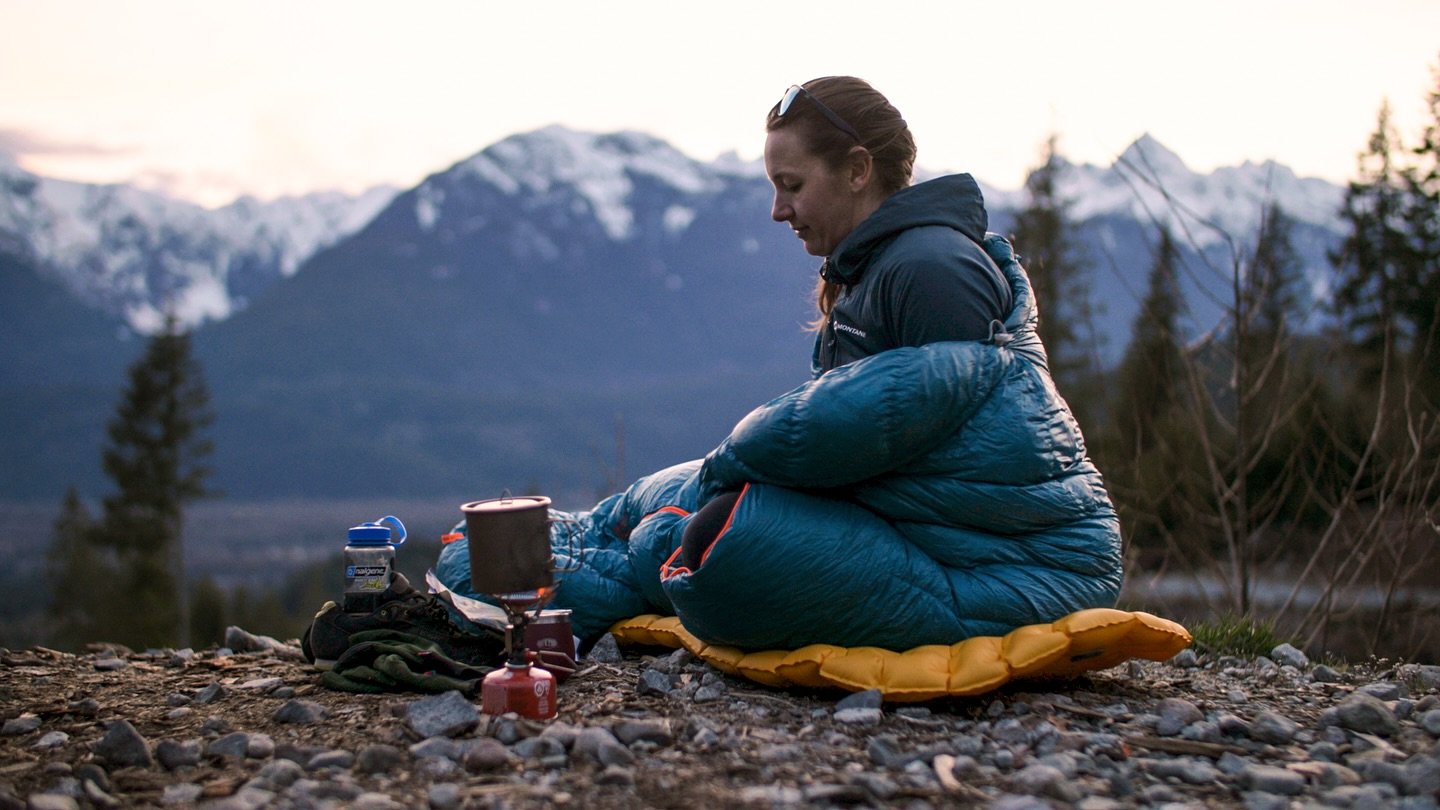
[[862, 168]]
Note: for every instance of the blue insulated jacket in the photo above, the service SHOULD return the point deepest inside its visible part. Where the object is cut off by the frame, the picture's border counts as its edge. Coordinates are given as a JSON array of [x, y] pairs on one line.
[[922, 495], [913, 273]]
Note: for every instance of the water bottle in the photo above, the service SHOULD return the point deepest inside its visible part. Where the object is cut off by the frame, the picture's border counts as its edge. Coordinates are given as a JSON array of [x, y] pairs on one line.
[[370, 562]]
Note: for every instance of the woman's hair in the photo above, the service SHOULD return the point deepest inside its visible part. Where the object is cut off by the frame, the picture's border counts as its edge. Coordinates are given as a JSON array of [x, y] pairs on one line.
[[882, 132]]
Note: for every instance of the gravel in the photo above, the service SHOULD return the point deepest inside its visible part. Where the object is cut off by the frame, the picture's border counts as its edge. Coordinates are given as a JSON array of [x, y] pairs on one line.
[[658, 728]]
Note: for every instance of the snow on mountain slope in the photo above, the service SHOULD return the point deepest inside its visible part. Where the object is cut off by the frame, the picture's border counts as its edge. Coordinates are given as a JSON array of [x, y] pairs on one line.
[[598, 166], [139, 254], [1152, 184]]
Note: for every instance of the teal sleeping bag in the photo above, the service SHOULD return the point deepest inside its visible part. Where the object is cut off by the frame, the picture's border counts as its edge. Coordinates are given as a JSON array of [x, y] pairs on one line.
[[917, 496]]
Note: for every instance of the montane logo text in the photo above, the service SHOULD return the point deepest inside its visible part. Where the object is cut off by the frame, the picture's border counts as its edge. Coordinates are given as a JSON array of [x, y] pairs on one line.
[[845, 327]]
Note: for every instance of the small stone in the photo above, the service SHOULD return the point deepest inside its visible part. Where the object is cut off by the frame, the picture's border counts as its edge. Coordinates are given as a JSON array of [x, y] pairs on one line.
[[279, 774], [262, 684], [885, 751], [1185, 659], [605, 651], [110, 664], [378, 758], [566, 733], [90, 772], [1273, 728], [708, 694], [122, 746], [444, 796], [1288, 655], [1176, 714], [85, 707], [1366, 714], [51, 801], [1372, 770], [1425, 676], [1383, 690], [1421, 776], [770, 795], [655, 682], [437, 768], [1324, 674], [239, 640], [435, 747], [484, 754], [616, 775], [1233, 726], [1231, 765], [539, 748], [1270, 779], [336, 758], [448, 714], [868, 699], [175, 754], [260, 746], [1036, 779], [232, 746], [1192, 771], [301, 712], [52, 739], [1430, 721], [1255, 800], [601, 746], [376, 801], [210, 694], [629, 732], [869, 716], [24, 724], [186, 793]]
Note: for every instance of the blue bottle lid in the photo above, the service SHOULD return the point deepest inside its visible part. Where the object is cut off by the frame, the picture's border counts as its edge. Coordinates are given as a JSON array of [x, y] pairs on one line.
[[378, 534]]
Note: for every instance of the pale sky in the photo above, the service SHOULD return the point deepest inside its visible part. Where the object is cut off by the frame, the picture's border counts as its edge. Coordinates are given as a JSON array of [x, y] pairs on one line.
[[208, 99]]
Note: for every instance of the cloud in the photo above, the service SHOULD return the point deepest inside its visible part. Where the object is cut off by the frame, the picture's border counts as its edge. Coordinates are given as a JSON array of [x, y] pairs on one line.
[[19, 143]]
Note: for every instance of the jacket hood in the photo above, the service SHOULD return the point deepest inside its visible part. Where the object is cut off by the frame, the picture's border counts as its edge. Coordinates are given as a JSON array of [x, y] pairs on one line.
[[953, 201]]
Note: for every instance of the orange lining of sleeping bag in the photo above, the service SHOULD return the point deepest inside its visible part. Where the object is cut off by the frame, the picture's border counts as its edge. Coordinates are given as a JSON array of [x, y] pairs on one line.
[[666, 571]]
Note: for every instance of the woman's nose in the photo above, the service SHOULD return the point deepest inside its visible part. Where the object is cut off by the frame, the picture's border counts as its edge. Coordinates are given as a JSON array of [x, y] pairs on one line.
[[780, 211]]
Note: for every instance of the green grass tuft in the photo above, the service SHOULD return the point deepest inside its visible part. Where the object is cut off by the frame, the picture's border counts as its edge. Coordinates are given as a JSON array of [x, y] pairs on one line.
[[1238, 636]]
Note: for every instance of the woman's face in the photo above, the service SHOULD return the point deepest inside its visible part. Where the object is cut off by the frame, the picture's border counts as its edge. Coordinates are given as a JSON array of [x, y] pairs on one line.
[[821, 203]]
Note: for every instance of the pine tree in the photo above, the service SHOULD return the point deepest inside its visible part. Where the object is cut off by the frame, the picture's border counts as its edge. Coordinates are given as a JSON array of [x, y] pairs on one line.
[[1151, 372], [1144, 449], [1422, 218], [78, 576], [156, 457], [1044, 235], [207, 613], [1370, 262]]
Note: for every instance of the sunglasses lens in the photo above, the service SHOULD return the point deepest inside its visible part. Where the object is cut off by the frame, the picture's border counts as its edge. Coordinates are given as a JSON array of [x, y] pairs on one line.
[[788, 99]]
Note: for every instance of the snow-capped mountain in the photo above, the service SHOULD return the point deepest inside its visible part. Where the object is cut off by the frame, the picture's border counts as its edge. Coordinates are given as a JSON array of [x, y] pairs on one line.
[[139, 255], [491, 327], [1152, 184]]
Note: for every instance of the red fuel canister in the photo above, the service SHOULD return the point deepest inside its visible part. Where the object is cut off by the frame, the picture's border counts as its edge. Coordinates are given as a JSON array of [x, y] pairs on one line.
[[525, 689]]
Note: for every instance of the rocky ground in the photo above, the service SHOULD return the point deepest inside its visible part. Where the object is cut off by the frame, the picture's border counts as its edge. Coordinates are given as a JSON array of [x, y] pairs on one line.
[[251, 727]]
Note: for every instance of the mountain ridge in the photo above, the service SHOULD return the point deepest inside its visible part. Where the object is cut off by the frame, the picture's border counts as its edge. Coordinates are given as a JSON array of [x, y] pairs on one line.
[[138, 254], [556, 312]]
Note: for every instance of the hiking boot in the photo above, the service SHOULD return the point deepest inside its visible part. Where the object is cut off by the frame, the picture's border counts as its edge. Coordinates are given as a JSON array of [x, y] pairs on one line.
[[405, 610]]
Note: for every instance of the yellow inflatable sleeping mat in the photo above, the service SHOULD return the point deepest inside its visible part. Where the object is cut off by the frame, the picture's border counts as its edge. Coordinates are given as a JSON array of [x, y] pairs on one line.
[[1083, 641]]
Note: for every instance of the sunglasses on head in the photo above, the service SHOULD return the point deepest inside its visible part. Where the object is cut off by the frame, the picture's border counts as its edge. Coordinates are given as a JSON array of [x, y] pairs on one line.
[[796, 91]]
